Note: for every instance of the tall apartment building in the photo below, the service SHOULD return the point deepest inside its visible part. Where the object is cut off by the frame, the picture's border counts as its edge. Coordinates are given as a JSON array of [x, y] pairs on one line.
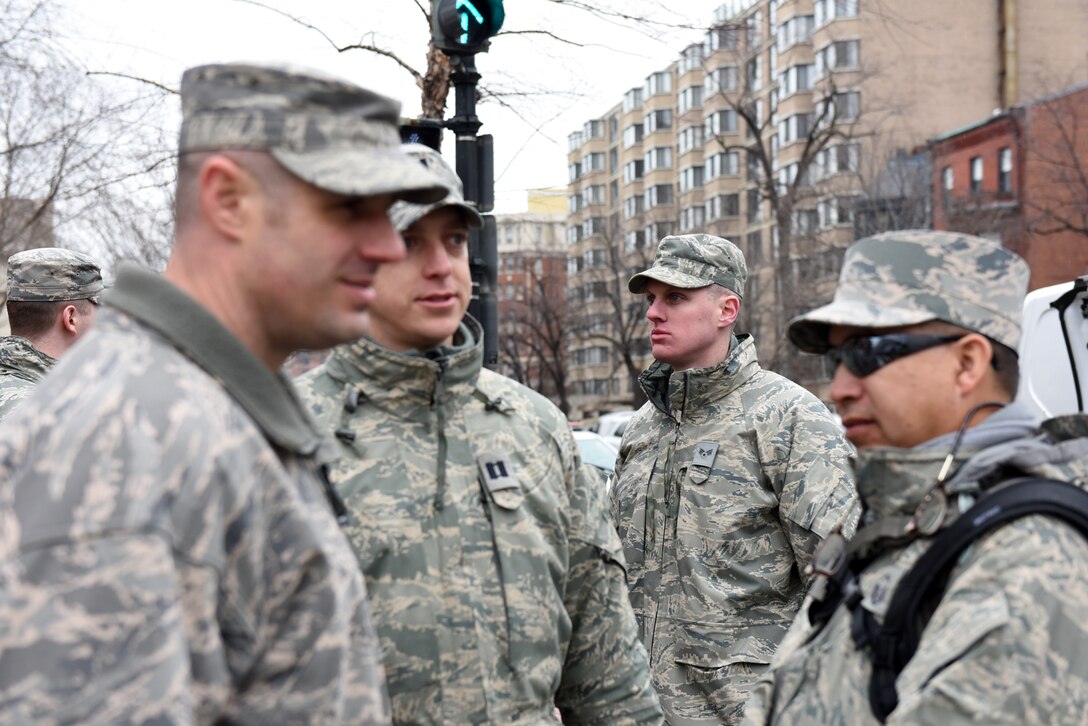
[[532, 305], [787, 118]]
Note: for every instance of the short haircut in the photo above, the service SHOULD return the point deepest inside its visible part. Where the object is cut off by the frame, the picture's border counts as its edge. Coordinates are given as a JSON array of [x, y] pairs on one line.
[[273, 179], [32, 319], [1004, 361]]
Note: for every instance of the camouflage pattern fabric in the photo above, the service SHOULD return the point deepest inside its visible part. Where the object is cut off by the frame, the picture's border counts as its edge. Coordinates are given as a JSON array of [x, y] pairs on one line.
[[49, 274], [726, 481], [1006, 643], [695, 260], [328, 132], [167, 549], [915, 276], [21, 366], [494, 571], [405, 214]]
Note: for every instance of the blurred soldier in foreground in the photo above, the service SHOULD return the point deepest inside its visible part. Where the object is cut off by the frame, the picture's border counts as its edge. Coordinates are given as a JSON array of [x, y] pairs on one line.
[[921, 335], [494, 572], [168, 547], [52, 296], [726, 480]]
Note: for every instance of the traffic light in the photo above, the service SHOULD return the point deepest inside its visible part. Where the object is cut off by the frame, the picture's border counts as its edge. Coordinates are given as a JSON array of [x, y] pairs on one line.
[[464, 26]]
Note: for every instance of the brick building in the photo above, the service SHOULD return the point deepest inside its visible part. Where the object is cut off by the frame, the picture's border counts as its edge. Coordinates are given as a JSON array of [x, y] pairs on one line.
[[1021, 177]]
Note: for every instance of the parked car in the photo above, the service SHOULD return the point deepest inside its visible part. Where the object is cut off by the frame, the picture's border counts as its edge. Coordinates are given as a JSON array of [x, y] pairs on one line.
[[598, 452], [612, 425]]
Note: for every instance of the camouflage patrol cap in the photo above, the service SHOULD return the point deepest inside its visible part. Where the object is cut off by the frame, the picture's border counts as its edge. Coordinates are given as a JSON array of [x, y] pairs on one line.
[[695, 260], [915, 276], [405, 214], [326, 131], [50, 274]]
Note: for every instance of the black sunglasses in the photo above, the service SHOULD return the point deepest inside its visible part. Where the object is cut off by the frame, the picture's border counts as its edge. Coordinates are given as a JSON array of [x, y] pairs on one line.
[[866, 355]]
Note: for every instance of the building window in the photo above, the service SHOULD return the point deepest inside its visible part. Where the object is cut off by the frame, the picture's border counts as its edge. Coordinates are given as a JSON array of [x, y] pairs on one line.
[[722, 38], [753, 205], [796, 78], [947, 178], [723, 164], [632, 100], [797, 29], [690, 138], [723, 205], [842, 55], [659, 157], [721, 122], [720, 80], [632, 206], [658, 120], [691, 178], [976, 174], [754, 245], [847, 105], [660, 82], [632, 171], [825, 11], [632, 135], [658, 195], [1004, 170], [593, 162], [691, 97], [692, 217], [593, 129], [691, 58]]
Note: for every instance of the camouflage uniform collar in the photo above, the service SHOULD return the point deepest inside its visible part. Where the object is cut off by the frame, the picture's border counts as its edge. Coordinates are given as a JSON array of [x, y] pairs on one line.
[[892, 482], [20, 359], [688, 392], [267, 397], [385, 375]]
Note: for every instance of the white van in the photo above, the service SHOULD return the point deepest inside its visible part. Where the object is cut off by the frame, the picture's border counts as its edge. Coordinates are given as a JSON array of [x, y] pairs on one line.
[[1054, 349]]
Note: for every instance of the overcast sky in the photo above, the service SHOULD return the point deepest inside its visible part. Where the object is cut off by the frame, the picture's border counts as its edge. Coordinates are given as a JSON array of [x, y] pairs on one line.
[[157, 40]]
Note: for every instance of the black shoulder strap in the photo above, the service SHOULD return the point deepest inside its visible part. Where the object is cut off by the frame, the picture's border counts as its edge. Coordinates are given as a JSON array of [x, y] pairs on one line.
[[894, 643]]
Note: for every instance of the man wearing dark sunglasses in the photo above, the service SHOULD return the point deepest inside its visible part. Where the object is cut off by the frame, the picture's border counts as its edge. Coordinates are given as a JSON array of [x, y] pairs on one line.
[[920, 340], [726, 481]]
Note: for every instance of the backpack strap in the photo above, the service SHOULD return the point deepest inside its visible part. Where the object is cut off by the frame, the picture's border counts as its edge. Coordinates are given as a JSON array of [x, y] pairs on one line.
[[894, 642]]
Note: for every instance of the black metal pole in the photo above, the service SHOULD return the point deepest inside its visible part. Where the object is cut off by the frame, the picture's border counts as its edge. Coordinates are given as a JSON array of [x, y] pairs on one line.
[[483, 242]]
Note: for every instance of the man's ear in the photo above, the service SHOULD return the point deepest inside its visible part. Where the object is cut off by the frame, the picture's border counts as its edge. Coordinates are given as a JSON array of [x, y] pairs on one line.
[[973, 355], [729, 309], [69, 314], [227, 195]]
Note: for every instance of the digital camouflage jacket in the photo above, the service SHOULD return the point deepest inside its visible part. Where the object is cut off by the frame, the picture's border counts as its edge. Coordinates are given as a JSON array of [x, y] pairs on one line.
[[727, 479], [167, 549], [494, 572], [1007, 641], [21, 366]]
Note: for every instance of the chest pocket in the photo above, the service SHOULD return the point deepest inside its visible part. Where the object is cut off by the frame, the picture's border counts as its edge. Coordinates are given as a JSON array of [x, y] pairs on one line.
[[530, 566]]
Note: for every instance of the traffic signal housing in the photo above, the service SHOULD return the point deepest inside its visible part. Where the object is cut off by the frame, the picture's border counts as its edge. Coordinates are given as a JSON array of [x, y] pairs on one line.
[[463, 27]]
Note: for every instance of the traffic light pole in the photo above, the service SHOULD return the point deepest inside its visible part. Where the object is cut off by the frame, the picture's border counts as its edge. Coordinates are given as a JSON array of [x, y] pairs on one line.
[[483, 243]]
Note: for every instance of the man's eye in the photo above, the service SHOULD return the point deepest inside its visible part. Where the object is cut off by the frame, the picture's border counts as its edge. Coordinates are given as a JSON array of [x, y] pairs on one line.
[[458, 239]]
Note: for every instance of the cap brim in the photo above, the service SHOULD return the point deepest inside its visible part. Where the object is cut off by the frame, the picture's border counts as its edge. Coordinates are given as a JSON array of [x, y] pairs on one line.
[[809, 332], [404, 216], [637, 284], [364, 173]]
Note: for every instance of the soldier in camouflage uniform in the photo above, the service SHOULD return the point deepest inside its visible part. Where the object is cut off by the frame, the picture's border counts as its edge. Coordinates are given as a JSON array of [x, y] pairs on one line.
[[494, 571], [52, 296], [922, 330], [168, 547], [727, 478]]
